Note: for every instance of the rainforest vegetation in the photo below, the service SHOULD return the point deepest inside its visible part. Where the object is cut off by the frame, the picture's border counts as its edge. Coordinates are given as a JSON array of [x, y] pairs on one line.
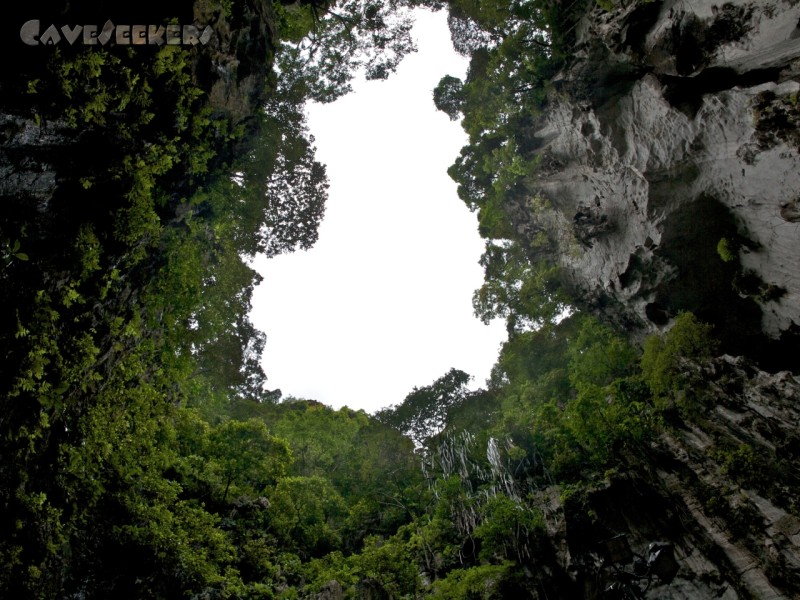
[[143, 454]]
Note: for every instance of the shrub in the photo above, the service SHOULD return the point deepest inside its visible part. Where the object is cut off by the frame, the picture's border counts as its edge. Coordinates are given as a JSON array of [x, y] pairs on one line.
[[688, 339], [484, 582], [727, 249]]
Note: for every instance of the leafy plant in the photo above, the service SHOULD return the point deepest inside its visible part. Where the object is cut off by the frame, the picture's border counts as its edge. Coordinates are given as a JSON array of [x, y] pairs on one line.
[[688, 339], [11, 252], [727, 249]]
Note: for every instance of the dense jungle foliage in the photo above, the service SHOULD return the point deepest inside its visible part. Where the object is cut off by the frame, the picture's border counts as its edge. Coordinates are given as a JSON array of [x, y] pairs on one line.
[[143, 455]]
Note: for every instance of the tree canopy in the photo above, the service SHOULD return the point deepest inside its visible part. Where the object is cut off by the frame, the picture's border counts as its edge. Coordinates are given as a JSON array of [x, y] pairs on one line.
[[143, 455]]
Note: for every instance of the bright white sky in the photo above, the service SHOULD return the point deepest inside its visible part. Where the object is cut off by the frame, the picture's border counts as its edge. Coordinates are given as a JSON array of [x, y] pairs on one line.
[[383, 302]]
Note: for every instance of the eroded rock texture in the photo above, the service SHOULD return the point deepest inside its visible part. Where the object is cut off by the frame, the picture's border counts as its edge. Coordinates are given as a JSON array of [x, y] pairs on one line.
[[673, 128], [719, 484], [669, 180]]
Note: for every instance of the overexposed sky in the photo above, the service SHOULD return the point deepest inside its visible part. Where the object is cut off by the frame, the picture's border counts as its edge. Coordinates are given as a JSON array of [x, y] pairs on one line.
[[383, 302]]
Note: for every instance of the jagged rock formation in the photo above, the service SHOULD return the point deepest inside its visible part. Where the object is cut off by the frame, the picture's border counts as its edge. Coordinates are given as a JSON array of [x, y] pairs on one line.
[[719, 483], [717, 486], [672, 127], [668, 179]]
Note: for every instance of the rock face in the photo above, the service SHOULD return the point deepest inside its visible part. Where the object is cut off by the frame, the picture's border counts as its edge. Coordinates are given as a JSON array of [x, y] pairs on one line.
[[720, 486], [668, 179], [673, 128]]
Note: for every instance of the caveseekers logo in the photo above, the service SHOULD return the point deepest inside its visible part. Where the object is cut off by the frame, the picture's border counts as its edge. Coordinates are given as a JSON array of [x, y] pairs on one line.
[[123, 35]]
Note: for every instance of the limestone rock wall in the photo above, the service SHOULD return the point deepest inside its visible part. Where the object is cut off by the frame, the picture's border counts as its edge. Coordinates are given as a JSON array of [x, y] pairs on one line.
[[669, 180], [720, 485], [672, 128]]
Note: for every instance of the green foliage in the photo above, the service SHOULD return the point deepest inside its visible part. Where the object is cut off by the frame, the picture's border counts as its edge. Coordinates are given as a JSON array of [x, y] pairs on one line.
[[484, 582], [726, 249], [514, 50], [508, 529], [511, 59], [109, 490], [390, 565], [294, 22], [280, 189], [742, 464], [733, 509], [689, 339], [344, 38], [11, 252], [424, 411], [476, 24], [247, 456], [571, 397], [191, 552], [448, 96], [321, 439], [307, 514], [598, 356], [526, 294]]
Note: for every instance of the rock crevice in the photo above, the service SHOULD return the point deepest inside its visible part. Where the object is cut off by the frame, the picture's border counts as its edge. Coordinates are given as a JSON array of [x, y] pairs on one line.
[[671, 129]]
